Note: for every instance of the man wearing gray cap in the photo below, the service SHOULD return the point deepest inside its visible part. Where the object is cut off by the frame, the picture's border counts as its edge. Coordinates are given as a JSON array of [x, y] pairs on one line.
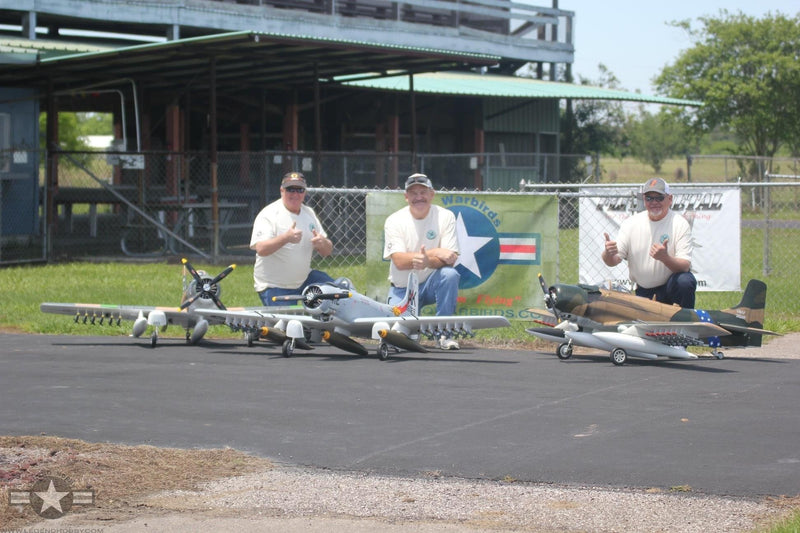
[[422, 237], [657, 243], [285, 235]]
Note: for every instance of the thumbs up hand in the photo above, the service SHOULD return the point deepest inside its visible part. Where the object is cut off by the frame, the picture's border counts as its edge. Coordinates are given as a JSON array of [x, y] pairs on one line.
[[420, 260], [610, 246], [317, 240], [659, 251], [294, 235]]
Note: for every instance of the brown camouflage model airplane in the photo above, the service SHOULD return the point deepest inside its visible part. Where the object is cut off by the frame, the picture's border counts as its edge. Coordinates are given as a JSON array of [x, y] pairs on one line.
[[627, 325]]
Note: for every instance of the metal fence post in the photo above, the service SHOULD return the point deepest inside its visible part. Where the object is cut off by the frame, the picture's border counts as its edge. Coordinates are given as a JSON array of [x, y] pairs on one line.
[[766, 201]]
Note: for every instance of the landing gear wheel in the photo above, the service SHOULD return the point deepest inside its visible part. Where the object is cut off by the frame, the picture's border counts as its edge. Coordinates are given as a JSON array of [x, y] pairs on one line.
[[383, 351], [718, 354], [564, 350], [250, 338], [619, 356], [154, 338], [288, 347], [188, 337]]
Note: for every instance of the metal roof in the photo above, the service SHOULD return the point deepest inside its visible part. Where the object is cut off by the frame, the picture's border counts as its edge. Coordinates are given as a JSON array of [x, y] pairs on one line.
[[470, 84], [16, 50], [243, 60]]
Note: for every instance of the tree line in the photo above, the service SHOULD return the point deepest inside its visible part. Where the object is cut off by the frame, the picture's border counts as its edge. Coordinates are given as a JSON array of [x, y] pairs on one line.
[[745, 70]]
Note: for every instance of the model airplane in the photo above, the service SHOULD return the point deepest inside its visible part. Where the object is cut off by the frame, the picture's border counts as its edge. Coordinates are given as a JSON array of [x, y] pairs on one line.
[[627, 325], [335, 313], [202, 292]]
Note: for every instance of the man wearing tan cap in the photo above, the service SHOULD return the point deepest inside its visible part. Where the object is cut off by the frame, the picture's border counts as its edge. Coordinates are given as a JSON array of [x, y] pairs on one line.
[[422, 237], [657, 243], [285, 235]]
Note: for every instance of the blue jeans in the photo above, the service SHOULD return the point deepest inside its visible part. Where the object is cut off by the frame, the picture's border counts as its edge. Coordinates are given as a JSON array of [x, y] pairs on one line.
[[441, 288], [679, 289], [315, 276]]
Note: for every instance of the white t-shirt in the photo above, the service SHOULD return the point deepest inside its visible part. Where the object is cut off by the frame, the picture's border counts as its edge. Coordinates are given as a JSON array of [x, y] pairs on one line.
[[404, 233], [287, 267], [638, 233]]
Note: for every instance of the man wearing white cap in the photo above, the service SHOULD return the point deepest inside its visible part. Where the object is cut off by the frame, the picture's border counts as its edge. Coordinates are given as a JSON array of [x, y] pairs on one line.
[[285, 235], [657, 243], [422, 237]]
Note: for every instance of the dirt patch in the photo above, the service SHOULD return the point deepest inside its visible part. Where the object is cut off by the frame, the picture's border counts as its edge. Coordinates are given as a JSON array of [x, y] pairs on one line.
[[161, 489], [119, 475]]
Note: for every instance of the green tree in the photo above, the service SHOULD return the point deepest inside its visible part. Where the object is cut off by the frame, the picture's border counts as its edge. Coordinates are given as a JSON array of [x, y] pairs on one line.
[[69, 134], [657, 137], [595, 126], [747, 73], [95, 124]]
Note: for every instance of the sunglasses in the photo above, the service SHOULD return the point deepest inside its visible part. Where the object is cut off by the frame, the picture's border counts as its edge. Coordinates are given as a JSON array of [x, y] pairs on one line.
[[658, 199], [296, 190], [419, 179]]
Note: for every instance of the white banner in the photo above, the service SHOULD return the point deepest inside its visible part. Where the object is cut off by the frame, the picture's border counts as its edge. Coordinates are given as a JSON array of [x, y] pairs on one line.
[[714, 216]]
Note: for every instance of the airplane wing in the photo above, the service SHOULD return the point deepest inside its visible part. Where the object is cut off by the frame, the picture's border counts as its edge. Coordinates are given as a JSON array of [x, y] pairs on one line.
[[256, 316], [106, 313], [542, 316], [103, 313], [668, 332], [338, 332], [360, 327], [432, 323], [748, 329]]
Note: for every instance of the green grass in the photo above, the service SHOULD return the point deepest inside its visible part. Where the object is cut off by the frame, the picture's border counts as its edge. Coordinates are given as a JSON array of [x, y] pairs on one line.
[[790, 524], [159, 284], [704, 170], [152, 284]]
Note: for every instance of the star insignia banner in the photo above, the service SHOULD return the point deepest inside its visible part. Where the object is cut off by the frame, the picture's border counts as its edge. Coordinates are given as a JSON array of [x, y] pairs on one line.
[[505, 241]]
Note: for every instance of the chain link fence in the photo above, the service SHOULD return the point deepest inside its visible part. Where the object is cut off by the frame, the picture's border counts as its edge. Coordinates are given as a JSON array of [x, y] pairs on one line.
[[121, 205]]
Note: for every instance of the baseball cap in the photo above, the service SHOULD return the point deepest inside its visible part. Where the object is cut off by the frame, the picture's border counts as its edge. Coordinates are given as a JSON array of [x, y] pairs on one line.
[[655, 185], [293, 179], [418, 179]]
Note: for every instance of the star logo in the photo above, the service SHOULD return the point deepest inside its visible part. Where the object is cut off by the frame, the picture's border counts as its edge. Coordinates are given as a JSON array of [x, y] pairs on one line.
[[482, 248], [51, 497], [469, 246]]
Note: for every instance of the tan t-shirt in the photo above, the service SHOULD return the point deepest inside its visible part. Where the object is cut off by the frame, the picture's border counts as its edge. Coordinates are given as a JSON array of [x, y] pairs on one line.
[[287, 267], [404, 233], [638, 233]]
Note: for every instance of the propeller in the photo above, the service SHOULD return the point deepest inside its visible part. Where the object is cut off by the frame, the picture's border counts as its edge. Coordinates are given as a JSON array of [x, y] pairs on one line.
[[312, 296], [205, 287], [549, 298]]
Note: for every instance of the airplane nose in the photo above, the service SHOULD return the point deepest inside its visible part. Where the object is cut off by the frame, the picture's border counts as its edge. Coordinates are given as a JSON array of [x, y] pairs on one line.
[[568, 297]]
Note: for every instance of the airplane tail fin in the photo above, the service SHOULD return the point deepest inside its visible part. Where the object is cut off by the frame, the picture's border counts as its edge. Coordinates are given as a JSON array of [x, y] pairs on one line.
[[751, 310], [410, 304]]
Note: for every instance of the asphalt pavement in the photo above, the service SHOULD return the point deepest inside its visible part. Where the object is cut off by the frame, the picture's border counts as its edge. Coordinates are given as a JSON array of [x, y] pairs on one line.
[[727, 427]]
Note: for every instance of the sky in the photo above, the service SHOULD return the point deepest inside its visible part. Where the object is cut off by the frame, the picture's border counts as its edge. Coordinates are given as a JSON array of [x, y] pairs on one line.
[[633, 39]]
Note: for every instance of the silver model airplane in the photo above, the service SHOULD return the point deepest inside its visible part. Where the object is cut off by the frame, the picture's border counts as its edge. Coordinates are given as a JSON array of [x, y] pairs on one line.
[[202, 292], [335, 313], [627, 325]]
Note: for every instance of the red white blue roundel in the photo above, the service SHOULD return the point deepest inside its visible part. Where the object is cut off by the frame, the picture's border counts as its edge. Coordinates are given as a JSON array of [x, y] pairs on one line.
[[482, 247]]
